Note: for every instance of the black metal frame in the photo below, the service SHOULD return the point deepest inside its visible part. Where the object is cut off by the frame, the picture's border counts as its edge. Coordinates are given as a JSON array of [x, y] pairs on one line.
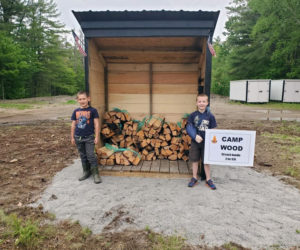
[[283, 88], [246, 91], [269, 90]]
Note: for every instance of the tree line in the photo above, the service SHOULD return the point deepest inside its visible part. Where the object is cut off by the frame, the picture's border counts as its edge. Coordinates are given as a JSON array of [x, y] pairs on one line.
[[262, 42], [35, 57]]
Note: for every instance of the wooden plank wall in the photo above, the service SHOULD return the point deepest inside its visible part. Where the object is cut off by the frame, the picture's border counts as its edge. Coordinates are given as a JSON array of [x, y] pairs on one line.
[[174, 89], [96, 80], [128, 88]]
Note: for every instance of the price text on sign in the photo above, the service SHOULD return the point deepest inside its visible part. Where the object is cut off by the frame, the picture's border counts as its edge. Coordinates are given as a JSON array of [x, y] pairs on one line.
[[229, 147]]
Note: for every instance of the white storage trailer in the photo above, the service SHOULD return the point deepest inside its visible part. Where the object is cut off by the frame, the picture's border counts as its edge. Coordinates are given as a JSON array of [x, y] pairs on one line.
[[285, 90], [256, 91]]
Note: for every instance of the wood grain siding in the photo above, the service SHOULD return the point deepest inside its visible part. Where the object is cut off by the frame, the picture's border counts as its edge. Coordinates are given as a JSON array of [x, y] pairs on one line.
[[96, 80], [150, 56], [150, 43], [174, 89], [175, 78], [128, 77], [128, 88]]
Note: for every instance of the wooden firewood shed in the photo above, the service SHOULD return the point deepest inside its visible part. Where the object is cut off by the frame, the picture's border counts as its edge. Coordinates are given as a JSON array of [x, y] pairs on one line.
[[147, 62]]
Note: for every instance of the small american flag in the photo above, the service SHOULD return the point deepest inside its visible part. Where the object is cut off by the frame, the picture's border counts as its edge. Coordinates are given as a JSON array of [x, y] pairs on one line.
[[76, 38], [211, 48]]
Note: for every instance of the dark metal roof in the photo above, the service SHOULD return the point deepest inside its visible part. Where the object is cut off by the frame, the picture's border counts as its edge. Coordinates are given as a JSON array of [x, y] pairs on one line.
[[147, 23], [145, 15]]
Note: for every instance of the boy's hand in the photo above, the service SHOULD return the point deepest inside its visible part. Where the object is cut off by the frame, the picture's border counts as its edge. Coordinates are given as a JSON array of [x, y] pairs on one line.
[[198, 139], [96, 140], [72, 141]]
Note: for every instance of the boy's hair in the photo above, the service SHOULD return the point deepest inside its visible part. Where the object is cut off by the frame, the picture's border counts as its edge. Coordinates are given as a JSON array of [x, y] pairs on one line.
[[82, 93], [202, 95]]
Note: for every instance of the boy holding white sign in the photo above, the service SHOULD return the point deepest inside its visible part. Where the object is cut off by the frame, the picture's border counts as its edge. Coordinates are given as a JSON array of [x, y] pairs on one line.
[[198, 122]]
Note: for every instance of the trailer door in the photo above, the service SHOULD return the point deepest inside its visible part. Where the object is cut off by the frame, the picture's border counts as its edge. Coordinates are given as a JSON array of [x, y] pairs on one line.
[[292, 91]]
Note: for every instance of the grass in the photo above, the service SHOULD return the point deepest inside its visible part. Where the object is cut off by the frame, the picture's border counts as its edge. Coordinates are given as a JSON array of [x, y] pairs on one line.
[[70, 102], [271, 105], [297, 231], [25, 233], [20, 106], [164, 242], [86, 232], [230, 246], [292, 171], [290, 150], [290, 127], [282, 137]]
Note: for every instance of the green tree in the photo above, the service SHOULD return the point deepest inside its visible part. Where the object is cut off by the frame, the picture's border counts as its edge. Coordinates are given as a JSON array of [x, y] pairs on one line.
[[220, 76], [10, 10], [246, 58], [277, 32], [52, 65], [12, 65]]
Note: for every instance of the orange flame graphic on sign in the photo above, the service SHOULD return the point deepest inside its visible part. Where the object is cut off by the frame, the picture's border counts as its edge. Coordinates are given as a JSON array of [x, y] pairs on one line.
[[214, 140]]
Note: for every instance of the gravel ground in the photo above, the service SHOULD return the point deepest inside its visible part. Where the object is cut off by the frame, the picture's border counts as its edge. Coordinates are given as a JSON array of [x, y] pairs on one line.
[[248, 208]]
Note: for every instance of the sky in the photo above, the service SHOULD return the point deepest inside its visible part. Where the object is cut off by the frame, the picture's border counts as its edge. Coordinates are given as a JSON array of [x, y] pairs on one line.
[[65, 8]]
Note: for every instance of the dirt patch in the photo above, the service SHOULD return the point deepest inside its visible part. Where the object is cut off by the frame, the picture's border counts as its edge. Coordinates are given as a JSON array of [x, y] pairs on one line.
[[119, 216], [30, 156], [41, 108]]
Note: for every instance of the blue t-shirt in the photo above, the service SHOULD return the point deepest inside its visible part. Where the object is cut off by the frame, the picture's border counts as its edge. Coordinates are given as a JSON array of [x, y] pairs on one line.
[[84, 121], [201, 122]]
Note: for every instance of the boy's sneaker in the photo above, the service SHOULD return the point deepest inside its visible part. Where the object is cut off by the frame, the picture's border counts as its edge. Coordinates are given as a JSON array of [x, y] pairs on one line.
[[210, 184], [193, 182]]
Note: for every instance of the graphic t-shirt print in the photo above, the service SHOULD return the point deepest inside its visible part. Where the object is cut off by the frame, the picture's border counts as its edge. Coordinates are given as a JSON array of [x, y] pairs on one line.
[[82, 118], [203, 126]]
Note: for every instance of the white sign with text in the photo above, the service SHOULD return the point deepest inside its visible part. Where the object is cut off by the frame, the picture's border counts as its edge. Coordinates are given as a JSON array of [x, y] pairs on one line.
[[229, 147]]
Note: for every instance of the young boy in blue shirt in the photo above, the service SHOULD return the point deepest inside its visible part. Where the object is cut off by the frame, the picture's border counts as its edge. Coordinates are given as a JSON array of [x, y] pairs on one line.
[[198, 122], [85, 134]]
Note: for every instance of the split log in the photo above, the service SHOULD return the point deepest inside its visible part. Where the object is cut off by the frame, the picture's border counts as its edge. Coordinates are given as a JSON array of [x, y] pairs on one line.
[[104, 152], [150, 156], [173, 157]]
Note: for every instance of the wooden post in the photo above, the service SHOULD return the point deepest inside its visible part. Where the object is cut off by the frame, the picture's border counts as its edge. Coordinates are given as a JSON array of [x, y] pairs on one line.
[[151, 82], [86, 65], [106, 88], [208, 64]]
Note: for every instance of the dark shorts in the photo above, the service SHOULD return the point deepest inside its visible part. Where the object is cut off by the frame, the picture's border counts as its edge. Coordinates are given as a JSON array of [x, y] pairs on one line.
[[196, 152]]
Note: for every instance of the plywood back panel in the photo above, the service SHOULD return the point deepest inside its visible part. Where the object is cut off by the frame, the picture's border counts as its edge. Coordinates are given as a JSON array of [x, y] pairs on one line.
[[122, 77], [175, 88], [128, 67], [128, 88], [172, 67], [175, 77]]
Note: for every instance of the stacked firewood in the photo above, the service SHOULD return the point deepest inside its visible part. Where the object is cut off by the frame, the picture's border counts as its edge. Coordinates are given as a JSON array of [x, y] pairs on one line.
[[111, 155], [151, 139]]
